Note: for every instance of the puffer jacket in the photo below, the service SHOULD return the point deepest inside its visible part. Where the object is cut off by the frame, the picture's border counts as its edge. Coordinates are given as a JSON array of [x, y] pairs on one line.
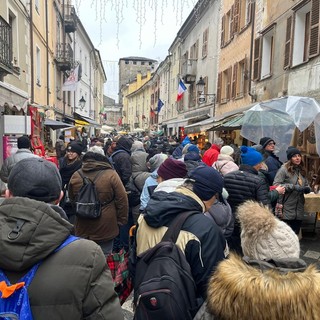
[[9, 163], [111, 193], [73, 283], [273, 163], [122, 164], [292, 201], [225, 164], [257, 290], [246, 184], [140, 171], [200, 239]]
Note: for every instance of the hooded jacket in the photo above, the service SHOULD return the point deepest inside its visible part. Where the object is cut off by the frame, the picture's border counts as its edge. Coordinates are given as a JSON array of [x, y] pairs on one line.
[[111, 193], [225, 164], [211, 155], [12, 160], [242, 291], [200, 239], [73, 283]]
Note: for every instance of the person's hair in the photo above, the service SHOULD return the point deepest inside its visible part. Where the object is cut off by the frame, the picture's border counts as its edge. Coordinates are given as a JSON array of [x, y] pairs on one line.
[[291, 168], [94, 156], [207, 145]]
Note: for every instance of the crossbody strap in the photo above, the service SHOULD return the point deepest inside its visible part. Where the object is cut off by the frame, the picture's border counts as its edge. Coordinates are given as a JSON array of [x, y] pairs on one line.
[[175, 226]]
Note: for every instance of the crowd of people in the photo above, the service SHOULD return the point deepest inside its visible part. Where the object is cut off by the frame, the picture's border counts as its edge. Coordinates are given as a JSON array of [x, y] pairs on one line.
[[241, 243]]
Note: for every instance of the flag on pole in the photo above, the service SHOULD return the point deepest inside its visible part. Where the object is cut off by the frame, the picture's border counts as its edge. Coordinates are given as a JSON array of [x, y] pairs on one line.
[[152, 114], [72, 82], [160, 105], [120, 122], [181, 89]]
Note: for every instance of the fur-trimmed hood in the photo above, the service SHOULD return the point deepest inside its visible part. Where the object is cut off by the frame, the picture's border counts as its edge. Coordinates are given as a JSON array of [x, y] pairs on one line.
[[240, 291]]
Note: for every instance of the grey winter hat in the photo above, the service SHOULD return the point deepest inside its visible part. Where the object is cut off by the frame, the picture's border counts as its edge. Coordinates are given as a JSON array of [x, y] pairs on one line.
[[35, 178]]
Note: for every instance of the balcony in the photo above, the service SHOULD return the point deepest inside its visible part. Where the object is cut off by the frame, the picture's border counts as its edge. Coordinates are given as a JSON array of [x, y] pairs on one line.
[[64, 56], [189, 71], [70, 19], [6, 63]]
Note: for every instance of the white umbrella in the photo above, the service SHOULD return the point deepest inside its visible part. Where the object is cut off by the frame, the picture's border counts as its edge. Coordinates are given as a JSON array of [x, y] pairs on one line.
[[138, 130], [107, 128], [278, 118]]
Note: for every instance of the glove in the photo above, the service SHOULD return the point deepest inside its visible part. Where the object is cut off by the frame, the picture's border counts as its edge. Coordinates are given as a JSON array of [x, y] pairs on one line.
[[298, 188], [307, 190]]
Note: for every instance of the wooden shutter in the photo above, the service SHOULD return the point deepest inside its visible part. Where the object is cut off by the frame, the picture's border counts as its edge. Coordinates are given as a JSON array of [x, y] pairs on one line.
[[222, 30], [245, 76], [236, 16], [249, 12], [314, 29], [231, 31], [287, 48], [229, 75], [234, 81], [257, 59], [219, 87]]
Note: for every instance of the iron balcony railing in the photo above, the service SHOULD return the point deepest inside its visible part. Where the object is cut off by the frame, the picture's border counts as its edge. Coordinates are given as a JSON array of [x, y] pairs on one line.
[[5, 44]]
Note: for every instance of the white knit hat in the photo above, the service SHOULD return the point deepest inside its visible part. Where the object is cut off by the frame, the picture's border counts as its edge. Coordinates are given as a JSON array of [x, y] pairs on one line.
[[227, 150], [263, 236]]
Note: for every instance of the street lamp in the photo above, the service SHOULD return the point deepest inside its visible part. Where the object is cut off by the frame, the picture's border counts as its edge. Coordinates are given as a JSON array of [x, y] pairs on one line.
[[201, 95], [82, 103]]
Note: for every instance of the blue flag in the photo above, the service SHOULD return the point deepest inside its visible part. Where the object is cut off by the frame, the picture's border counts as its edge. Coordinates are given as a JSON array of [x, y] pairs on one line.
[[160, 105]]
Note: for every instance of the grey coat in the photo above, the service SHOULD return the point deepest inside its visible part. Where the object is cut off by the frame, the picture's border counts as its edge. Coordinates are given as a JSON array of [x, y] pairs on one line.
[[73, 283], [292, 200], [12, 160]]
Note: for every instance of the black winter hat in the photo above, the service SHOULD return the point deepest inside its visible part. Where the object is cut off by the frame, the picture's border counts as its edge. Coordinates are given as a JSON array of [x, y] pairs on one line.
[[291, 151], [265, 140], [75, 147]]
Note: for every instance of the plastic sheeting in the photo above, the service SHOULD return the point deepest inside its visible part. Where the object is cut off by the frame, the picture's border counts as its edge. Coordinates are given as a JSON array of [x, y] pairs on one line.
[[278, 118]]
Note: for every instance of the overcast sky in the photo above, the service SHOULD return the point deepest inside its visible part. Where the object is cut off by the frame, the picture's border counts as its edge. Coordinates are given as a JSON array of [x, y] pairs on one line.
[[147, 28]]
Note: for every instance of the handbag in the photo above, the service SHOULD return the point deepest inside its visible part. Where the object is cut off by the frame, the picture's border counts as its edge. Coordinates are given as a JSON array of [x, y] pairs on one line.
[[118, 263]]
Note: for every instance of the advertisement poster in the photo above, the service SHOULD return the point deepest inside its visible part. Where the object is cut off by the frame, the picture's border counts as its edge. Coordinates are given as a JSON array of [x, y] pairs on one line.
[[9, 146]]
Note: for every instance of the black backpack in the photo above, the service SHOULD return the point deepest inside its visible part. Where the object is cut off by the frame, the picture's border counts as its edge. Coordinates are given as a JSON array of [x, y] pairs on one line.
[[163, 286], [87, 204]]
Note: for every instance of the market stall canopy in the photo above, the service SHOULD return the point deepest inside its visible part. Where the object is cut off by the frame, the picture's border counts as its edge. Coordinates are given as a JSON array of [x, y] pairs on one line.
[[85, 120], [54, 125], [278, 118]]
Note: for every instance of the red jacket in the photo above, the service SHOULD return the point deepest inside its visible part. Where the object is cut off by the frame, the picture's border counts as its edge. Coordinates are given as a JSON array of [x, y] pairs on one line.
[[211, 155]]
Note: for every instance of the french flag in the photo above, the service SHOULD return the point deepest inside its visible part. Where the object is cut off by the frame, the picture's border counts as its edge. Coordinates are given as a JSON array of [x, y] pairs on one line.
[[181, 89]]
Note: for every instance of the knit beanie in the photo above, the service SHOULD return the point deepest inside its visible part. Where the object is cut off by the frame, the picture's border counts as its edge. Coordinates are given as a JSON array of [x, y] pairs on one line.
[[249, 156], [263, 236], [192, 156], [75, 147], [156, 161], [185, 141], [172, 168], [291, 151], [264, 141], [207, 182], [227, 150], [23, 142]]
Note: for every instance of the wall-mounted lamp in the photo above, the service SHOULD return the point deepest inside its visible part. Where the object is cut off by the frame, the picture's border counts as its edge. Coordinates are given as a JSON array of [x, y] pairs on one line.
[[82, 103], [201, 95]]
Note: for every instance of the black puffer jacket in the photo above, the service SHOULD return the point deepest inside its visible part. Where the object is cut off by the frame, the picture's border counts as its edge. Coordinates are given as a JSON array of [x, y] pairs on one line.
[[245, 184]]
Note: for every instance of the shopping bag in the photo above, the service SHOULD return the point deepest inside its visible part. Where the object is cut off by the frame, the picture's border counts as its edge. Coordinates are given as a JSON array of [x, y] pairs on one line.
[[118, 263]]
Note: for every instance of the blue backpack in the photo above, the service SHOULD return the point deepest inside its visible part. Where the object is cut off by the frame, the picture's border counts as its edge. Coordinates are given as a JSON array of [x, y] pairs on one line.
[[14, 302]]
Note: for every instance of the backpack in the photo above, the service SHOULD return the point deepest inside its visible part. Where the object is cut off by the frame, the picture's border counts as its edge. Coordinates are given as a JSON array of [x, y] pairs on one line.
[[113, 154], [87, 203], [163, 285], [14, 302]]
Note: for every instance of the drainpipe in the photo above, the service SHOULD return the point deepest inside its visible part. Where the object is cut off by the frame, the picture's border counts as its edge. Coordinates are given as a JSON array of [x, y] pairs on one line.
[[31, 53], [47, 52], [253, 9]]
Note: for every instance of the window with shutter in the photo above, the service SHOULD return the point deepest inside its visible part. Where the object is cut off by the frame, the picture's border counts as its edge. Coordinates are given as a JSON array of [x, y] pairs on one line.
[[287, 48], [267, 53], [205, 43], [222, 30], [219, 87], [231, 23], [234, 81], [229, 78], [244, 11], [314, 29], [236, 16], [256, 59]]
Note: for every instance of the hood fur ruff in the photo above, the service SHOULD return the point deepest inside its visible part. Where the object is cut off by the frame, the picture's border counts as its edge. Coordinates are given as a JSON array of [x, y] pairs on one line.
[[238, 291]]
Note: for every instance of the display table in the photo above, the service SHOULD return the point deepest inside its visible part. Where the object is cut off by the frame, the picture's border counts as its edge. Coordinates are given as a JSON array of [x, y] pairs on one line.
[[312, 202], [312, 205]]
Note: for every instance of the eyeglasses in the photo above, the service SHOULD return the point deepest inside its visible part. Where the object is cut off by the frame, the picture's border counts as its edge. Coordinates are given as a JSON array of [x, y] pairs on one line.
[[271, 143]]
